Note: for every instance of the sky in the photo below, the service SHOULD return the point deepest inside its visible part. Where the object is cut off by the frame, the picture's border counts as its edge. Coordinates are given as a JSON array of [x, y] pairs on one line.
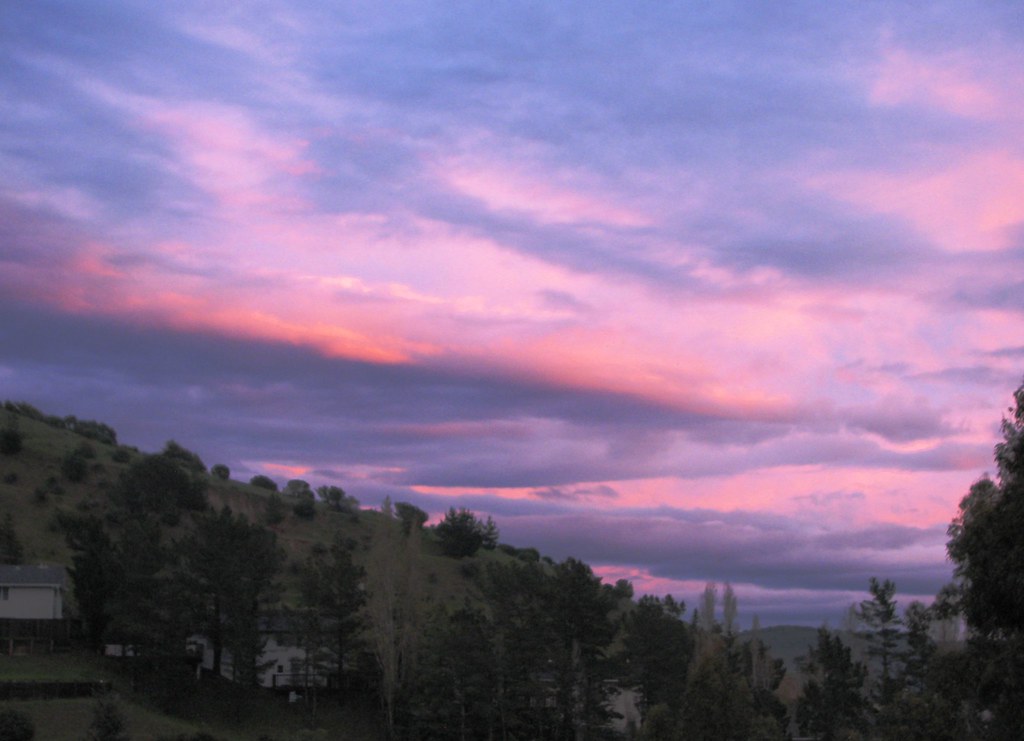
[[693, 291]]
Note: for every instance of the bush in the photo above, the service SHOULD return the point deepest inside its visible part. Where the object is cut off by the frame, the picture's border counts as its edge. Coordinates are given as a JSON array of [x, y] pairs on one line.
[[74, 466], [121, 455], [412, 517], [15, 725], [276, 511], [297, 488], [108, 722], [11, 478], [305, 508], [158, 484], [86, 428], [263, 482], [462, 534], [11, 440], [221, 471], [184, 457]]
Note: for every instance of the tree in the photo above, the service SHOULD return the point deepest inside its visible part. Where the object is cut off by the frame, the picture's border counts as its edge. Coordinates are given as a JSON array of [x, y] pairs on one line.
[[393, 609], [658, 647], [833, 699], [11, 437], [986, 539], [184, 457], [11, 550], [297, 488], [276, 511], [73, 466], [220, 471], [158, 484], [523, 640], [490, 534], [456, 682], [228, 568], [305, 507], [95, 572], [330, 588], [729, 610], [580, 610], [763, 675], [462, 534], [263, 482], [706, 611], [108, 722], [337, 499], [718, 704], [920, 646], [882, 629], [986, 544], [411, 516]]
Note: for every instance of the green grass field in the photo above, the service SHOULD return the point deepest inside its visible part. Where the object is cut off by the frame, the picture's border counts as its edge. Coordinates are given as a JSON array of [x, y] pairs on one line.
[[225, 711]]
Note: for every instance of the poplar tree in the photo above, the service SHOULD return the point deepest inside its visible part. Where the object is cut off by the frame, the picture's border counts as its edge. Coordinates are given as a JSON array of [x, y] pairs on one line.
[[706, 611], [393, 610], [729, 610]]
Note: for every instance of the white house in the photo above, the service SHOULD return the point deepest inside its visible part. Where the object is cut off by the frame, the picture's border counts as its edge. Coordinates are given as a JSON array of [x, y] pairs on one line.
[[282, 660], [32, 592]]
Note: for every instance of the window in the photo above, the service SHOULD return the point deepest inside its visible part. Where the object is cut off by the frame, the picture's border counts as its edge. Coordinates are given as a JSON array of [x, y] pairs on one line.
[[5, 593]]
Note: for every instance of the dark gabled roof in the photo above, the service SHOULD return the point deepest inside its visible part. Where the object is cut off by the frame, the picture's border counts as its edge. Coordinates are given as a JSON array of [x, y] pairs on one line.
[[34, 575]]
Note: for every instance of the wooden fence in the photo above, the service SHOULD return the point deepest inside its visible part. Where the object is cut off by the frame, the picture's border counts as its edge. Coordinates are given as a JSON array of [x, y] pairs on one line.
[[34, 636], [51, 690]]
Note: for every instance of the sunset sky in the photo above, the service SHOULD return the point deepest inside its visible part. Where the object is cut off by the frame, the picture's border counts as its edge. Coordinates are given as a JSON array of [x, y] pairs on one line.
[[692, 291]]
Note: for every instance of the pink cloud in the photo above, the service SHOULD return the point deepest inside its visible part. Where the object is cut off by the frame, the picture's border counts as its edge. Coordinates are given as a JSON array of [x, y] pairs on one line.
[[948, 82], [969, 205], [224, 152], [549, 197]]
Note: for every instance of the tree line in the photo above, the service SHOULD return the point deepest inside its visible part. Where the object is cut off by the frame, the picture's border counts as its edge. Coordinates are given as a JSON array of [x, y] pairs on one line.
[[538, 649]]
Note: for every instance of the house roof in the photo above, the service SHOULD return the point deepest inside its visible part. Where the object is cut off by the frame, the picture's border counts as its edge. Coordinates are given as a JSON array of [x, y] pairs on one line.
[[33, 575]]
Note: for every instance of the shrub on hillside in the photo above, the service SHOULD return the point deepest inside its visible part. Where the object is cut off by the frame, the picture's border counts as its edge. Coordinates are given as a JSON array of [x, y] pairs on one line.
[[156, 483], [263, 482], [121, 455], [15, 725], [184, 457], [220, 471], [11, 440], [462, 534], [73, 466], [305, 508], [412, 517], [276, 511]]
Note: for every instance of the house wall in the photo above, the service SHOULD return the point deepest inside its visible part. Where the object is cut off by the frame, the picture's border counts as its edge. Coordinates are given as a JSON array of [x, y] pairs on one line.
[[31, 602], [287, 658]]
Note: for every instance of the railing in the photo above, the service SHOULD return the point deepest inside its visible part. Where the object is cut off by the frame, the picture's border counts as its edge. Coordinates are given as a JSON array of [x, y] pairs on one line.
[[33, 636], [282, 680]]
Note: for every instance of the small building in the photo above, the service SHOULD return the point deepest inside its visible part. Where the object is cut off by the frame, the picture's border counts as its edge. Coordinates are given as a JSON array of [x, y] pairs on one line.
[[32, 592], [282, 662]]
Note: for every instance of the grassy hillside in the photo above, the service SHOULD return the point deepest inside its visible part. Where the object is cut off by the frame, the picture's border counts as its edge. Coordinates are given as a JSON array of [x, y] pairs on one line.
[[35, 487]]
